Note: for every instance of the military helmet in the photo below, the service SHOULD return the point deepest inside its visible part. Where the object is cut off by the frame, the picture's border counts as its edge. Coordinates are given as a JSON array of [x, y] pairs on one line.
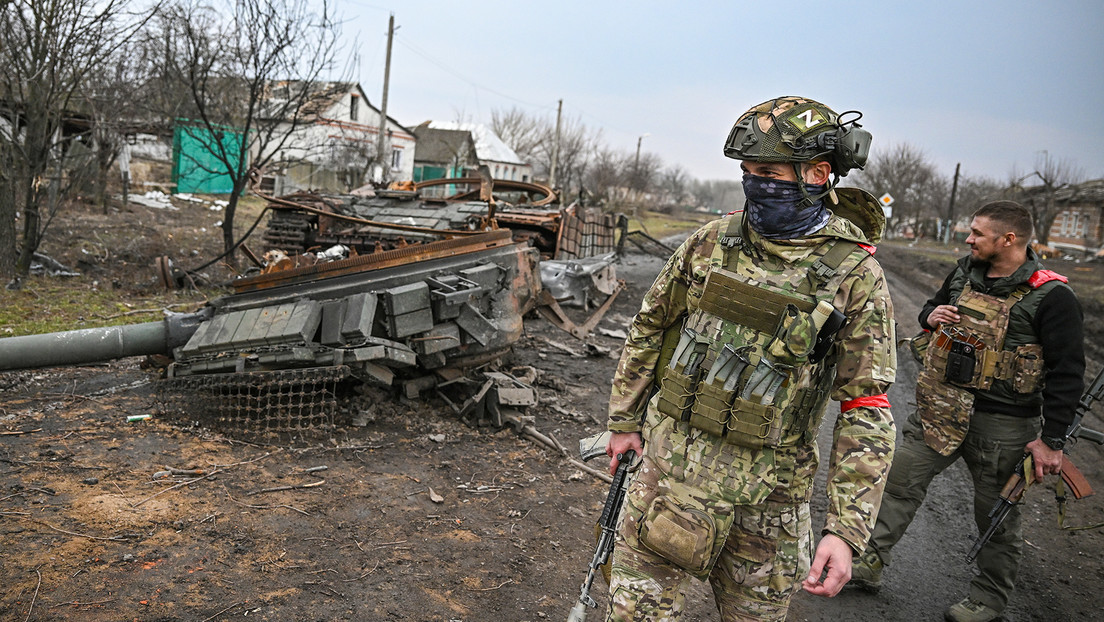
[[798, 129]]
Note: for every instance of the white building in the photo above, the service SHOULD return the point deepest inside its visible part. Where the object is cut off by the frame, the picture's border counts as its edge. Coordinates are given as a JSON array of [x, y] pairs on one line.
[[334, 145]]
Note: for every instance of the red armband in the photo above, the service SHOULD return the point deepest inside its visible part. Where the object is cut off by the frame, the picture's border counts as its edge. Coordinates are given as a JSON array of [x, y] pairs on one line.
[[873, 401]]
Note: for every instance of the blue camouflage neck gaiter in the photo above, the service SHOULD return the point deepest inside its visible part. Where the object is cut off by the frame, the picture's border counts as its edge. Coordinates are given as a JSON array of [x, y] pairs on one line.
[[773, 210]]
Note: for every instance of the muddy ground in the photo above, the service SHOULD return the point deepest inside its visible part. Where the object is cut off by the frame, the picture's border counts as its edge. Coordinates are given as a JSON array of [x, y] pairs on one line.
[[418, 516]]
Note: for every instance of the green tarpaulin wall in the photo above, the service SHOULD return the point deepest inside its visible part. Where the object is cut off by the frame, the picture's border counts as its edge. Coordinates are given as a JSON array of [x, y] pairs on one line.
[[195, 168]]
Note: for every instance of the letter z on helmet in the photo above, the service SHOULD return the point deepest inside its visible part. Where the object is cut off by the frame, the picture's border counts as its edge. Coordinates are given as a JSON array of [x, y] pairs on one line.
[[797, 129]]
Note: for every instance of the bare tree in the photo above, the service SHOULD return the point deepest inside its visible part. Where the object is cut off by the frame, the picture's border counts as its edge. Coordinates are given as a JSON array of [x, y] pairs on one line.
[[578, 144], [973, 192], [48, 50], [521, 131], [643, 173], [673, 186], [250, 67], [1053, 176], [607, 177], [114, 110], [533, 139], [911, 179]]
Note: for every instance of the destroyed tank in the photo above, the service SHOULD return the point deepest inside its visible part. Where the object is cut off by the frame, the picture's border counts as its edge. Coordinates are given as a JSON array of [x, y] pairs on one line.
[[426, 289], [279, 352]]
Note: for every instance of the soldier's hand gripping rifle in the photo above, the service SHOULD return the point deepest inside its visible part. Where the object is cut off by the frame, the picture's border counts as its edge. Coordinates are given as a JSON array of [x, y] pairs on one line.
[[1023, 475], [608, 525]]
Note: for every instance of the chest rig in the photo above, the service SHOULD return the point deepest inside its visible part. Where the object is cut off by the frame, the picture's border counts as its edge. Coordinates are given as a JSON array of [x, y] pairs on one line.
[[744, 368], [970, 356]]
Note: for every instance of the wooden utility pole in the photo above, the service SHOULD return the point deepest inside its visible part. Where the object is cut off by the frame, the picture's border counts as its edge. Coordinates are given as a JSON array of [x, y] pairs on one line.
[[381, 140], [556, 148], [949, 235]]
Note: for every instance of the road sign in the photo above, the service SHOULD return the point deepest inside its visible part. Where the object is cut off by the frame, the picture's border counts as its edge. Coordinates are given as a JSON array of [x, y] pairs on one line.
[[886, 200]]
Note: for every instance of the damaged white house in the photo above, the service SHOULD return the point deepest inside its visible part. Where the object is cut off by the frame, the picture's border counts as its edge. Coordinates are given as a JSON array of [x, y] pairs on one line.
[[334, 146]]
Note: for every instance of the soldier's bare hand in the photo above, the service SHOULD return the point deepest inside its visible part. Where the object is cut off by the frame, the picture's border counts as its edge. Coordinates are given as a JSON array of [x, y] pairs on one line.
[[1045, 459], [944, 314], [831, 567], [619, 443]]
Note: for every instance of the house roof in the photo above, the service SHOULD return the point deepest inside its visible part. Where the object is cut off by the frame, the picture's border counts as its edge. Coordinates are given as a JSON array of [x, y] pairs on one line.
[[323, 96], [488, 146], [1088, 192], [1091, 191], [437, 145]]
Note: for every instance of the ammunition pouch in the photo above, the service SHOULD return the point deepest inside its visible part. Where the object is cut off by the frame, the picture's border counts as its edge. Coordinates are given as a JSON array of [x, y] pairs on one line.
[[676, 394], [965, 361], [712, 408], [754, 425]]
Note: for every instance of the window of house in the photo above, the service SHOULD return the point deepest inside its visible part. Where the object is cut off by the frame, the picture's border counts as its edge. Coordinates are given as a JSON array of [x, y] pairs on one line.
[[396, 159], [354, 106]]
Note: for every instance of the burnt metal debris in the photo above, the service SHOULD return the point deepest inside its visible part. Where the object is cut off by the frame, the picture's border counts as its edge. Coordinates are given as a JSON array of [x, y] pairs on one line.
[[395, 218], [427, 290]]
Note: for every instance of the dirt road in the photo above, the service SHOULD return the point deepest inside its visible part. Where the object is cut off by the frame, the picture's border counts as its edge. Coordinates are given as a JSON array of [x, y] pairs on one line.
[[416, 516]]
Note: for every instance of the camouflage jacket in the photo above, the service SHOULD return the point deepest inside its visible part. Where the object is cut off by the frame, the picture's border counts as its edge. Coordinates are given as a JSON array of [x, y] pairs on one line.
[[864, 432]]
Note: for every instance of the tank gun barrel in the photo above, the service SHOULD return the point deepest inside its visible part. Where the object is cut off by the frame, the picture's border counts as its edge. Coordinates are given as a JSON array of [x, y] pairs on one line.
[[91, 345]]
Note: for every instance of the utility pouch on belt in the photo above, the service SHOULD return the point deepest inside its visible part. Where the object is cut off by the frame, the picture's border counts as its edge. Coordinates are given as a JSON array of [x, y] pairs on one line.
[[683, 535]]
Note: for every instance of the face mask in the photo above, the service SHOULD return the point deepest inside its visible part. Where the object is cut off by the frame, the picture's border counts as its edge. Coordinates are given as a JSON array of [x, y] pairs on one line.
[[773, 210]]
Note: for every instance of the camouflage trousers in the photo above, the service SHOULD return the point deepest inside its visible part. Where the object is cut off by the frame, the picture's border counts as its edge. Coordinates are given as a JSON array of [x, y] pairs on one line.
[[766, 556], [993, 446]]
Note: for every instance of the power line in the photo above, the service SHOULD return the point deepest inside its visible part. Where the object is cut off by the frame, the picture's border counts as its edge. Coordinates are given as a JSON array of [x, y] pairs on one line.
[[465, 78], [473, 83]]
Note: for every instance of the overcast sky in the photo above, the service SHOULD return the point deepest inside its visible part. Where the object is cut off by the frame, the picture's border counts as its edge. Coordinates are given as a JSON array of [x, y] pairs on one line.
[[989, 84]]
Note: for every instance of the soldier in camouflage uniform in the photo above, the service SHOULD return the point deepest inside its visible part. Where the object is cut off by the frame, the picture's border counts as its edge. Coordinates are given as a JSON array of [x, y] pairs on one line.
[[754, 322], [1004, 345]]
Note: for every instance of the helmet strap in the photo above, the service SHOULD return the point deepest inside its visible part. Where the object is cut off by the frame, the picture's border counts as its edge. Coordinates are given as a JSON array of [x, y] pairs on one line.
[[806, 198]]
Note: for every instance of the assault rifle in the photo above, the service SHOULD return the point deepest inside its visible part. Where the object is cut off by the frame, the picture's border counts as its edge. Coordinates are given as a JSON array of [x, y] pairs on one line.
[[1014, 488], [608, 525]]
